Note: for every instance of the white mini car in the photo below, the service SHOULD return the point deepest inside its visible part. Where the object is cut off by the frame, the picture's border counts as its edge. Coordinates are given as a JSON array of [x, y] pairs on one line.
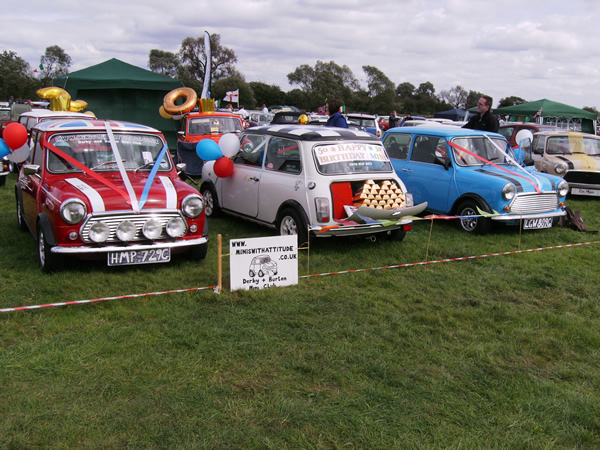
[[302, 179]]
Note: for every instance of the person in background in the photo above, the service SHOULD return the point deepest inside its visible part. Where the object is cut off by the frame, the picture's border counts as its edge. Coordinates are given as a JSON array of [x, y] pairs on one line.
[[229, 107], [394, 119], [11, 101], [484, 120], [407, 117], [332, 107], [243, 112], [265, 110]]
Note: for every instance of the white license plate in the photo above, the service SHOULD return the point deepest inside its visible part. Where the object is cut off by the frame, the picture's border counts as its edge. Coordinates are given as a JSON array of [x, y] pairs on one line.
[[580, 191], [534, 224], [130, 257]]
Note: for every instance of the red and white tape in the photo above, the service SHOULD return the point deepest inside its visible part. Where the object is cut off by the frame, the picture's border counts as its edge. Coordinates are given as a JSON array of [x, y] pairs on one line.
[[396, 266]]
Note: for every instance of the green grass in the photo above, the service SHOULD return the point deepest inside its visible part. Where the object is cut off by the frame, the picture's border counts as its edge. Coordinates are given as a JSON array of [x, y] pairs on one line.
[[491, 352]]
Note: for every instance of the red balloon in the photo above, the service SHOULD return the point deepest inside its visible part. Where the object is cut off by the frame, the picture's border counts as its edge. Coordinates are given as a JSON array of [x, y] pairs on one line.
[[223, 167], [15, 135]]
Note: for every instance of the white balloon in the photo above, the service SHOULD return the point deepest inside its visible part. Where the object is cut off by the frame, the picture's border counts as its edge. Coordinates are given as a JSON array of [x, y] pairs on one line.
[[229, 144], [523, 134], [19, 155]]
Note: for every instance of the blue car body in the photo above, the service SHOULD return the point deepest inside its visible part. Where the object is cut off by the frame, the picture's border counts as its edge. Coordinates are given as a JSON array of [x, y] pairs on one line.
[[437, 167]]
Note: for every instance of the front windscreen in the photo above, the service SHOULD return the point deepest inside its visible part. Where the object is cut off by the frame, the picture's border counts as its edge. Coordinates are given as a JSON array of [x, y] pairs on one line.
[[351, 158], [94, 150], [573, 143], [214, 125], [480, 150]]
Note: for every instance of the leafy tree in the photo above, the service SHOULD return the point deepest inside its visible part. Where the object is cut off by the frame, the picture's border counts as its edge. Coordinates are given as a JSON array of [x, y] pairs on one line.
[[163, 62], [193, 59], [223, 85], [381, 92], [405, 90], [267, 94], [511, 101], [55, 63], [591, 109], [456, 97], [426, 101], [16, 77], [473, 98]]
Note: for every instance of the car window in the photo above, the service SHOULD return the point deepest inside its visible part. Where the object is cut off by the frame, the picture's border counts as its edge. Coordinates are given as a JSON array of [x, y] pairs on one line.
[[38, 154], [538, 144], [591, 146], [350, 157], [283, 155], [213, 125], [479, 150], [397, 145], [94, 150], [507, 132], [558, 145], [252, 150], [424, 148]]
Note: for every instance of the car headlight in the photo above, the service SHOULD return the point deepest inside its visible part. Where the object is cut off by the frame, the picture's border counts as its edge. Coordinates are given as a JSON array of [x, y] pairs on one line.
[[560, 168], [563, 188], [126, 231], [192, 206], [73, 211], [152, 229], [176, 227], [508, 191], [99, 232]]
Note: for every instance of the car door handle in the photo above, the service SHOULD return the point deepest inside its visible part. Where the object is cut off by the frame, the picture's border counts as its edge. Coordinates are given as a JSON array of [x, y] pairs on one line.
[[252, 179], [406, 170]]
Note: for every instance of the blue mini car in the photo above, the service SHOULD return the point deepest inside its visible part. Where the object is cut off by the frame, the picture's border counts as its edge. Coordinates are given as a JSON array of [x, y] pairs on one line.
[[473, 173]]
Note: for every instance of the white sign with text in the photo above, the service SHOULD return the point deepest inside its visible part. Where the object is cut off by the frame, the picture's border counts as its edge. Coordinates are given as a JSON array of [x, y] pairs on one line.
[[259, 263]]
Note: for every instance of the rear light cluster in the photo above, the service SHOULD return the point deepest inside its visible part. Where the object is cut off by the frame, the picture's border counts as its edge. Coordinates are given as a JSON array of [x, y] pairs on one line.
[[323, 210]]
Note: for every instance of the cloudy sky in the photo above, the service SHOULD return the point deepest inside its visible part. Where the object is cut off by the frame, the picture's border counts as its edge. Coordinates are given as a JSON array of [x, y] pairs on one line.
[[530, 49]]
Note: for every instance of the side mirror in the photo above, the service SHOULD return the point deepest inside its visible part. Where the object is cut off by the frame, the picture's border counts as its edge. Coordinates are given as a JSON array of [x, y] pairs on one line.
[[528, 162], [181, 133], [31, 169], [443, 162]]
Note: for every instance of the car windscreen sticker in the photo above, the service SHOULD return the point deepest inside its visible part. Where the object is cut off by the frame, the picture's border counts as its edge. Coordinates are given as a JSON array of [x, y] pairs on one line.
[[329, 154], [92, 194]]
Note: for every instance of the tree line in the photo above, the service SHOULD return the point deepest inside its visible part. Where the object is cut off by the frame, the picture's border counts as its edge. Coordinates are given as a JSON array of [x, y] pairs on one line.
[[312, 85]]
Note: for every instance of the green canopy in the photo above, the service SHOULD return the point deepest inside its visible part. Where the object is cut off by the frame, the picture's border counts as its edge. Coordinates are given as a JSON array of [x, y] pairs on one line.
[[120, 91], [549, 109]]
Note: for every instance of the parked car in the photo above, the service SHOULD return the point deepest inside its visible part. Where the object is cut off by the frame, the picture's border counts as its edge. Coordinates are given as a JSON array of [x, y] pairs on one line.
[[291, 178], [571, 155], [5, 118], [196, 126], [289, 117], [258, 118], [107, 189], [4, 171], [511, 129], [473, 173], [368, 122], [32, 118], [384, 123]]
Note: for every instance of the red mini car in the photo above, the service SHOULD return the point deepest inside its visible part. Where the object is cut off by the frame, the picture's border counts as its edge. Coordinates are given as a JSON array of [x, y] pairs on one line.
[[107, 189], [197, 126]]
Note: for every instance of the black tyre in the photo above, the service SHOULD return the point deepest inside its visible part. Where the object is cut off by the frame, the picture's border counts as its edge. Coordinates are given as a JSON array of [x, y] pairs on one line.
[[477, 225], [2, 181], [290, 223], [198, 252], [49, 262], [211, 203], [20, 215]]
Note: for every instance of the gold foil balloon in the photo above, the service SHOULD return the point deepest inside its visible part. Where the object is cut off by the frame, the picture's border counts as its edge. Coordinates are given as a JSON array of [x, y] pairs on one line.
[[191, 98], [303, 119], [60, 100], [163, 113]]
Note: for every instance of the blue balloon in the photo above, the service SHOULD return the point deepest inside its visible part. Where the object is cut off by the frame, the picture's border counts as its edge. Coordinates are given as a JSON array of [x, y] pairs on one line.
[[5, 149], [208, 150]]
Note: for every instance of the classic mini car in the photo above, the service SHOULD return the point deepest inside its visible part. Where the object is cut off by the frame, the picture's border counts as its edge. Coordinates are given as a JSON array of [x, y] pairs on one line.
[[510, 130], [107, 189], [4, 170], [309, 178], [32, 118], [367, 122], [571, 155], [473, 173], [384, 123], [196, 126]]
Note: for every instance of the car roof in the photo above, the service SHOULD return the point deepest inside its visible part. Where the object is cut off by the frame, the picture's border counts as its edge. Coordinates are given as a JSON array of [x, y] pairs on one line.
[[195, 115], [57, 114], [529, 124], [566, 133], [440, 130], [312, 133], [361, 115], [90, 125]]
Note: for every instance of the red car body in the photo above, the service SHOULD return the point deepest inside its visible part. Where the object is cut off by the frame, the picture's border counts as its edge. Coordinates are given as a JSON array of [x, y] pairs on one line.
[[78, 200]]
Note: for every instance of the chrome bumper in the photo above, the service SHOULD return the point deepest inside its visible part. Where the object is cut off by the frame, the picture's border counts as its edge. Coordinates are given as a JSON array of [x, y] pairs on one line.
[[119, 248]]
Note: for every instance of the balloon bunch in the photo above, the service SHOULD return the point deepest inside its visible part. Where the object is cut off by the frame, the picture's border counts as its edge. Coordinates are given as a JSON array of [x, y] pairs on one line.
[[60, 100], [13, 144], [221, 153]]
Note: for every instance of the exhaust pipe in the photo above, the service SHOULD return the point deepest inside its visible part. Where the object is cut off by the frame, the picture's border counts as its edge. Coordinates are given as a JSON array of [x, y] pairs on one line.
[[372, 238]]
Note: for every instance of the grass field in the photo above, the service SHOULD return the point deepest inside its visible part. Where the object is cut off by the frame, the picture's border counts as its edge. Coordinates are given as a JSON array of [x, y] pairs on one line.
[[500, 351]]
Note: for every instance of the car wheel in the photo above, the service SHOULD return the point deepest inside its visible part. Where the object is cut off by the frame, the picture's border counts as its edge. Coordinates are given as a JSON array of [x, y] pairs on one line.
[[199, 252], [477, 225], [211, 203], [49, 262], [290, 223], [20, 215]]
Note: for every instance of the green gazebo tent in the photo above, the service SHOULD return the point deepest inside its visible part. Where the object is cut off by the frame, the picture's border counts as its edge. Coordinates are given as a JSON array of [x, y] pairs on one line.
[[547, 111], [120, 91]]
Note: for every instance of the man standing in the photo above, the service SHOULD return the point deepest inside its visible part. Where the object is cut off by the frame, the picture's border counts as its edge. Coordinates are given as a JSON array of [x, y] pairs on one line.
[[332, 107], [394, 119], [484, 119]]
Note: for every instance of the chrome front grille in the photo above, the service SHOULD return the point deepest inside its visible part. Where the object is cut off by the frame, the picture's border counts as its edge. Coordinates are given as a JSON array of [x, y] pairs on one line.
[[113, 221], [534, 203]]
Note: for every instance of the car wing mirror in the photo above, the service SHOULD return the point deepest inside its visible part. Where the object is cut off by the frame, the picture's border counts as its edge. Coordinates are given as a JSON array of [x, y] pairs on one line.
[[31, 169], [528, 162], [443, 162]]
